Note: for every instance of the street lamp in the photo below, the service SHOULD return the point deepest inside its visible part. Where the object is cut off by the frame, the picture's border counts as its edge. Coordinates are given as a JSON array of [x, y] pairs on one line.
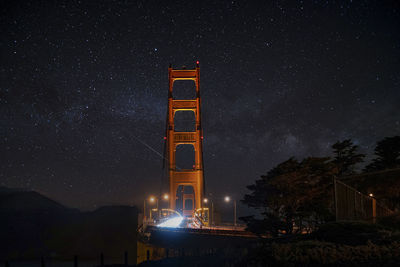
[[153, 199], [166, 198], [144, 211], [228, 199], [211, 218]]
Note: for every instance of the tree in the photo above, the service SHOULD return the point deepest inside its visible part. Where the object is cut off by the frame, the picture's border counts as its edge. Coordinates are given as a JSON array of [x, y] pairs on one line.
[[387, 152], [346, 157], [292, 194]]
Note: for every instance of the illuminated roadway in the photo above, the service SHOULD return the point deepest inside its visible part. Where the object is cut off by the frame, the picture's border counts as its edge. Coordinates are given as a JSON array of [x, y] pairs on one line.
[[217, 230]]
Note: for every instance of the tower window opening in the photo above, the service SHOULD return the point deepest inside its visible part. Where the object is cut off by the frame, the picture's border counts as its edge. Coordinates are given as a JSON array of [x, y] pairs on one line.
[[184, 121], [184, 90], [184, 157]]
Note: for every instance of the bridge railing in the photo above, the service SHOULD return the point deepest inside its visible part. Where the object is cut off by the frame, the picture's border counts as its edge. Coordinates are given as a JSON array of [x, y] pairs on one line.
[[350, 204]]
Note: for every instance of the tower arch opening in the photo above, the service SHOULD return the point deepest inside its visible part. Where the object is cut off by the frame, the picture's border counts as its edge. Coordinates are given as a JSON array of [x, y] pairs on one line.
[[184, 89], [185, 157], [184, 121], [185, 199]]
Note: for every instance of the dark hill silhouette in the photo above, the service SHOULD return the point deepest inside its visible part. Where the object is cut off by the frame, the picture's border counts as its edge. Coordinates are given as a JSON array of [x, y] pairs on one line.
[[27, 200], [33, 225]]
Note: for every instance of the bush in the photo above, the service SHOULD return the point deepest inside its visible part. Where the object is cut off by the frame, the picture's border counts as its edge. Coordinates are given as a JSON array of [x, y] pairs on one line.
[[352, 233], [316, 253], [392, 222], [333, 244], [324, 253]]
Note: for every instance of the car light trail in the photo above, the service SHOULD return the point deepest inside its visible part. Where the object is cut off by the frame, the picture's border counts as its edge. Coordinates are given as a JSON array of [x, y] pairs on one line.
[[172, 223]]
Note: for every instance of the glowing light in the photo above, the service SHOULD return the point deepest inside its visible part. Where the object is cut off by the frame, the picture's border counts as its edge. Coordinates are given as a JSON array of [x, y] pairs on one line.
[[197, 62], [371, 195], [205, 200], [172, 223], [152, 199], [227, 199], [166, 196]]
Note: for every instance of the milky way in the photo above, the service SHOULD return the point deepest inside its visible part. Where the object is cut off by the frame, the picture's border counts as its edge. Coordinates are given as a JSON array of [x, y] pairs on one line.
[[84, 89]]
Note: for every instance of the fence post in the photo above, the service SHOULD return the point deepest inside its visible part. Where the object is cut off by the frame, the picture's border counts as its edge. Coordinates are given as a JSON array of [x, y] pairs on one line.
[[42, 263], [6, 264], [126, 258], [373, 210], [335, 198], [75, 261]]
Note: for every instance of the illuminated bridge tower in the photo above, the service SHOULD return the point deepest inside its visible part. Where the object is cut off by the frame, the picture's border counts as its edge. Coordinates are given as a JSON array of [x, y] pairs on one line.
[[192, 178]]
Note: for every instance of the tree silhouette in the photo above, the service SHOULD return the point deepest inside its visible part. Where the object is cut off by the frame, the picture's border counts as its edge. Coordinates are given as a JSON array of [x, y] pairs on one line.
[[292, 194], [387, 153], [346, 157]]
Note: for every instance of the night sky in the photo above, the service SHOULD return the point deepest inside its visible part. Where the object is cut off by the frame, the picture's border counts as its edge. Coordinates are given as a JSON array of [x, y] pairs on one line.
[[84, 86]]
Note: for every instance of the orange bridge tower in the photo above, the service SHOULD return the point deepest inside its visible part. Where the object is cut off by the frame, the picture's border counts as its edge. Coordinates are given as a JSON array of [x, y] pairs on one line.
[[180, 179]]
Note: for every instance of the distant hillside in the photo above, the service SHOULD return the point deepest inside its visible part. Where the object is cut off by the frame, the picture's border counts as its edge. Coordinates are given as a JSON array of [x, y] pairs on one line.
[[111, 230], [14, 200], [33, 225]]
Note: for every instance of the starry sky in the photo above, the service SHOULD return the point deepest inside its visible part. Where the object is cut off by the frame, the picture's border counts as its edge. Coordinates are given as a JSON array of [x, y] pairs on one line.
[[84, 86]]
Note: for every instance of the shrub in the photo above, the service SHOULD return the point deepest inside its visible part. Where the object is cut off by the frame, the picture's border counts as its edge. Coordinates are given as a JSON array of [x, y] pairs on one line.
[[392, 222], [324, 253], [352, 233]]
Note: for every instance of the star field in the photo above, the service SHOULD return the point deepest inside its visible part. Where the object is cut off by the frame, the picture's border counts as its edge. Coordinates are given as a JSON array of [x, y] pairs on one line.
[[83, 89]]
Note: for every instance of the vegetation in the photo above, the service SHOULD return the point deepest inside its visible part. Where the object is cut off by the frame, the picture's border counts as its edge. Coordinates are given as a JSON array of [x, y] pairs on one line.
[[317, 253], [355, 233], [333, 244], [346, 157], [297, 196], [387, 154], [281, 198], [391, 222]]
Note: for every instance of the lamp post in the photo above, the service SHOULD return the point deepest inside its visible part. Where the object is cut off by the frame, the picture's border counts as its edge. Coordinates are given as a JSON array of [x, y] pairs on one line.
[[153, 199], [234, 212], [228, 199], [212, 213], [144, 211], [211, 219], [166, 198], [373, 207]]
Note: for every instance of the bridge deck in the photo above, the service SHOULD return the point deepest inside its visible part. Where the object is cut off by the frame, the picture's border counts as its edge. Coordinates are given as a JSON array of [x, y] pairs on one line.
[[215, 231]]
